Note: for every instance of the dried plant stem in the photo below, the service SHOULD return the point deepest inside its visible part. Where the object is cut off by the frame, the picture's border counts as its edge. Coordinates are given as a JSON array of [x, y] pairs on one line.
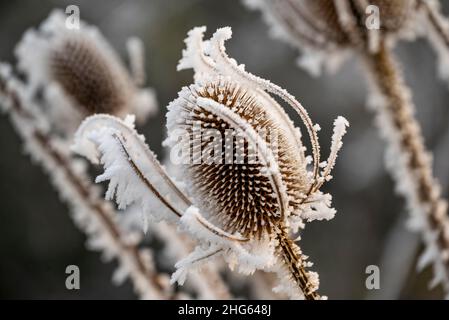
[[147, 282], [412, 166], [292, 257]]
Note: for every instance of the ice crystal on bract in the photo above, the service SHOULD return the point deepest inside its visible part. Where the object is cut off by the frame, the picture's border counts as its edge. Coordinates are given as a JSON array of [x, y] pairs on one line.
[[80, 72], [242, 192]]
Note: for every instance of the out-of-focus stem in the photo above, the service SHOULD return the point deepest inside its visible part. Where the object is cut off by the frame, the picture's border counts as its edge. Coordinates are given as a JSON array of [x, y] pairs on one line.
[[413, 162], [147, 282]]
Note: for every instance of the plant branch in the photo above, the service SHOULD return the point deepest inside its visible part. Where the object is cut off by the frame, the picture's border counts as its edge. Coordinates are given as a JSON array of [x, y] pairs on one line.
[[293, 258]]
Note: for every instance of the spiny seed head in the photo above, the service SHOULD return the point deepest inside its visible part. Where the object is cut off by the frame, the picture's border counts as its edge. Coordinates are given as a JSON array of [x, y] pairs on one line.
[[86, 76], [237, 194], [79, 73], [245, 166], [394, 14], [324, 24]]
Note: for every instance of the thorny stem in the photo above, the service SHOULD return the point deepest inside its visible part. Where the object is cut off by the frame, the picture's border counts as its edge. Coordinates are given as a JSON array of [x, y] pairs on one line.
[[292, 257], [141, 269], [400, 109]]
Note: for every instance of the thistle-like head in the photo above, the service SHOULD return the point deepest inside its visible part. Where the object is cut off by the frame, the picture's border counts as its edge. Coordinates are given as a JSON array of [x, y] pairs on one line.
[[243, 178], [79, 72], [327, 27], [244, 160]]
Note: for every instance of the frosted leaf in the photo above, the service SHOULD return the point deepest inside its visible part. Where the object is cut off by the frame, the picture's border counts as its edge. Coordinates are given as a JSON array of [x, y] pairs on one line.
[[193, 262], [340, 125], [246, 257], [133, 172], [193, 56]]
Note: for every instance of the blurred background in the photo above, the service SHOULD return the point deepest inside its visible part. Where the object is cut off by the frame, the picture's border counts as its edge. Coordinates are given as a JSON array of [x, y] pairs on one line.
[[38, 239]]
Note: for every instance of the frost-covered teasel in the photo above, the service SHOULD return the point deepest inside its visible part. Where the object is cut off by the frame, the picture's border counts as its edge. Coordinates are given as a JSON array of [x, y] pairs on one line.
[[240, 211], [80, 73], [324, 30]]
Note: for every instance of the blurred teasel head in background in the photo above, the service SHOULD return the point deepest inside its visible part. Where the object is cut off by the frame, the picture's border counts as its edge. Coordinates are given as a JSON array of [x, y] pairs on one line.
[[324, 30], [80, 74]]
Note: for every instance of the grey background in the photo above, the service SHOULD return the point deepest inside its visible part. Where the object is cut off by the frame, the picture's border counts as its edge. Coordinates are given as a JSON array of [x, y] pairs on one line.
[[38, 239]]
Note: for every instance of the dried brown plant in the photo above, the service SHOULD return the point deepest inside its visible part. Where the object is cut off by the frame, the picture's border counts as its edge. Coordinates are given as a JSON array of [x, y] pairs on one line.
[[334, 28]]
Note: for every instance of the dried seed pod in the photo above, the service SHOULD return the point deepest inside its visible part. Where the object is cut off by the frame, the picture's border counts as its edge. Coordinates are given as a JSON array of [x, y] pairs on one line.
[[319, 23], [323, 28], [228, 172], [408, 159], [228, 115], [241, 163], [85, 75], [79, 73]]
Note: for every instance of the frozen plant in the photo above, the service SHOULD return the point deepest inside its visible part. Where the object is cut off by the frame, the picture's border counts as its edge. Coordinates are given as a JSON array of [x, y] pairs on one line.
[[243, 212], [327, 31], [79, 74]]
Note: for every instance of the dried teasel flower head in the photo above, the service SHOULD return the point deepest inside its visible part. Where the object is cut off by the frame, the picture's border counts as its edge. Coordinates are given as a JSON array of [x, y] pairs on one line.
[[242, 195], [80, 73], [247, 172], [244, 180], [328, 27]]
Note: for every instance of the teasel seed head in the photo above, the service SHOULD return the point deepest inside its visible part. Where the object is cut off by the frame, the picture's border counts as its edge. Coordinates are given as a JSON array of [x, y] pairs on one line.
[[244, 182], [323, 28], [246, 170], [228, 108], [79, 73], [85, 75], [233, 185]]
